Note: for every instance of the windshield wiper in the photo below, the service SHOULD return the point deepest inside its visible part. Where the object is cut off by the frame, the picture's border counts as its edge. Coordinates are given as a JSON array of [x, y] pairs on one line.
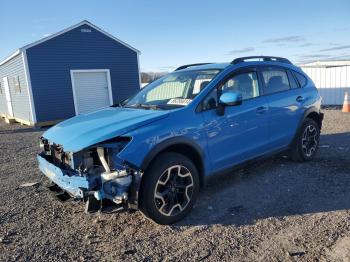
[[117, 105]]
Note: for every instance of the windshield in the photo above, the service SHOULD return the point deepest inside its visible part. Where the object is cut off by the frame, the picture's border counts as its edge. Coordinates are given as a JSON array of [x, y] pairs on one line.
[[177, 89]]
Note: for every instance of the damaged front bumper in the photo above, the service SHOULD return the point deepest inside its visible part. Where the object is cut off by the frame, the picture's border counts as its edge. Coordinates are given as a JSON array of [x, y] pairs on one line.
[[93, 187], [76, 186]]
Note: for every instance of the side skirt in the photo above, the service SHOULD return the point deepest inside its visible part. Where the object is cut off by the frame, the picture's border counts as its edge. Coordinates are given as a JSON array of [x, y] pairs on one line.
[[239, 166]]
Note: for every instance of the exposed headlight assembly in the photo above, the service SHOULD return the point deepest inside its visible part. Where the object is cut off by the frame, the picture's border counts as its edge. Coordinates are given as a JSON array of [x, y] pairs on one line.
[[44, 145], [116, 178]]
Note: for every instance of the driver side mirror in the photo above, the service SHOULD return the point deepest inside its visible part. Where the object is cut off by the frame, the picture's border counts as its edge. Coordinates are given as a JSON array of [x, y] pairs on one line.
[[229, 98]]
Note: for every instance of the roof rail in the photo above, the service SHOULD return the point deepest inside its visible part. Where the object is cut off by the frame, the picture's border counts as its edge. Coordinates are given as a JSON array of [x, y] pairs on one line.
[[264, 58], [185, 66]]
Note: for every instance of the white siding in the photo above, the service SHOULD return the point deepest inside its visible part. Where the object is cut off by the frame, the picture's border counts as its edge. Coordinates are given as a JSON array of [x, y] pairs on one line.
[[12, 69], [332, 82]]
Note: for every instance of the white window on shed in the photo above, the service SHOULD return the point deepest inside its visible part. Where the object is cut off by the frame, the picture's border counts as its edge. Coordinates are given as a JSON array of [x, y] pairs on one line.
[[16, 84], [91, 90]]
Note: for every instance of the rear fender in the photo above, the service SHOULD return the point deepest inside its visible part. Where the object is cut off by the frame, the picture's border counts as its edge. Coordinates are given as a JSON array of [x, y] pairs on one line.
[[307, 112]]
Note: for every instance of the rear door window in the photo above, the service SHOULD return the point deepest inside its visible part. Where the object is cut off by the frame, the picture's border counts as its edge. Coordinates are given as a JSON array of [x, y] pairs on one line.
[[244, 83], [275, 80]]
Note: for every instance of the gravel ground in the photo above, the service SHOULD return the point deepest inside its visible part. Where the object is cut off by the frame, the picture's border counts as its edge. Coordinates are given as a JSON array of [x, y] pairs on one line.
[[275, 210]]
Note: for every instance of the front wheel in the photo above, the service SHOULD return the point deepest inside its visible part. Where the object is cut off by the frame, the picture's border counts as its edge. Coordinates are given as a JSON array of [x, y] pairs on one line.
[[169, 188], [307, 141]]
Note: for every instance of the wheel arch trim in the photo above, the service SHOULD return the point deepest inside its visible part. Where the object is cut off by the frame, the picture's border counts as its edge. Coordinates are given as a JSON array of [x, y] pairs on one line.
[[307, 112], [168, 143]]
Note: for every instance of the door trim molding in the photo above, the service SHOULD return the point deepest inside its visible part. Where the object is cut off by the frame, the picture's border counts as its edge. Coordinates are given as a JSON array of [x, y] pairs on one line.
[[29, 86], [110, 93], [8, 96], [138, 68]]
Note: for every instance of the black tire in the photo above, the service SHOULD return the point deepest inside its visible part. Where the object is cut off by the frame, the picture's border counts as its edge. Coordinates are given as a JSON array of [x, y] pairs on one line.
[[156, 178], [300, 153]]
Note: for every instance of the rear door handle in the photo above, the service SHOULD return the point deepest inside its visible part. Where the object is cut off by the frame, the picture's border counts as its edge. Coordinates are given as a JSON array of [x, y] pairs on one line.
[[300, 99], [261, 109]]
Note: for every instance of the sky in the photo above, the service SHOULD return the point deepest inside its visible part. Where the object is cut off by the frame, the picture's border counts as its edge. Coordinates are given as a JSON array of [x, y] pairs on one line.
[[173, 33]]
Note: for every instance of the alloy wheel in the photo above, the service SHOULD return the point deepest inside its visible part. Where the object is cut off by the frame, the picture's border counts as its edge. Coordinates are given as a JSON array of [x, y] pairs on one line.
[[173, 190], [309, 140]]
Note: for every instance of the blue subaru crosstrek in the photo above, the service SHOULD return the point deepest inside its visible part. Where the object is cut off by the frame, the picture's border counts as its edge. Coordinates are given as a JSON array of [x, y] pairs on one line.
[[155, 150]]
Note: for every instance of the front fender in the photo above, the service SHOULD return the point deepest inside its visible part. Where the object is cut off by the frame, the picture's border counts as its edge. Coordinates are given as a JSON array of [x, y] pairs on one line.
[[151, 139], [180, 140]]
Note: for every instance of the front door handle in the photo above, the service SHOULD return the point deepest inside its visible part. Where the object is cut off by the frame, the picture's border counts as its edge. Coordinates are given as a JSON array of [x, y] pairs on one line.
[[299, 99], [261, 109]]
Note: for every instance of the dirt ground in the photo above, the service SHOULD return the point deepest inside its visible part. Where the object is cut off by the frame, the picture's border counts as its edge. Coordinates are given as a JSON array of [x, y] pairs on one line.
[[275, 210]]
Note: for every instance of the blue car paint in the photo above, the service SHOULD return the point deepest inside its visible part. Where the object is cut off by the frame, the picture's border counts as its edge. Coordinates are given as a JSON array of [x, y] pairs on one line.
[[258, 126], [72, 184], [239, 134], [82, 131], [180, 123]]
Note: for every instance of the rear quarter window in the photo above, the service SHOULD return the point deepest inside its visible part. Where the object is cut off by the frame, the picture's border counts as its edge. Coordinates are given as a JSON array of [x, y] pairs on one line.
[[301, 79], [292, 81]]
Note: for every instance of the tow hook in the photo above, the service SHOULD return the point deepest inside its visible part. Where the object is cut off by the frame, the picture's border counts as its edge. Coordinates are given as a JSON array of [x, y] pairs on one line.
[[61, 195], [92, 205]]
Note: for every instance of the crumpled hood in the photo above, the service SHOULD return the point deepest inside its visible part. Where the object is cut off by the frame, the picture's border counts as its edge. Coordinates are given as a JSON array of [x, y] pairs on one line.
[[85, 130]]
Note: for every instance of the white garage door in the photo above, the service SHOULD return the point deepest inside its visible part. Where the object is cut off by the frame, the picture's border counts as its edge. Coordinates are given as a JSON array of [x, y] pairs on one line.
[[91, 90]]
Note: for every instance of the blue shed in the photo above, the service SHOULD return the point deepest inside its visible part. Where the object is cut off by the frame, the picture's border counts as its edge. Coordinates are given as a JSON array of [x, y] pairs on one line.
[[74, 71]]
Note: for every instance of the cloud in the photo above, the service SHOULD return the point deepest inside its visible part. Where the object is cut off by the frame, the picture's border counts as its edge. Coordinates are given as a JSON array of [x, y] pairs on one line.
[[46, 35], [336, 48], [302, 59], [286, 39], [346, 28], [240, 51], [341, 57], [322, 57], [334, 44], [306, 44], [167, 68], [315, 56]]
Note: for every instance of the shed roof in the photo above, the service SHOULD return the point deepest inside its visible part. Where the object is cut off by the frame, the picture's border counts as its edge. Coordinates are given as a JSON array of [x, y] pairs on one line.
[[85, 22]]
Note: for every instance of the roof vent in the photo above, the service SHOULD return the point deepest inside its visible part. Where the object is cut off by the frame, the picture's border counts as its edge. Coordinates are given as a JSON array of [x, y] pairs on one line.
[[85, 30]]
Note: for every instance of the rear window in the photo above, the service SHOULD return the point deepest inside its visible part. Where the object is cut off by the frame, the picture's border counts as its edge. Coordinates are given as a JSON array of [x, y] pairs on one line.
[[301, 79], [275, 79]]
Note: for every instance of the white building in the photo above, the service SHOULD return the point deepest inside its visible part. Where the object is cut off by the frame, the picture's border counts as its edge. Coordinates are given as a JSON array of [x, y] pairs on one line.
[[332, 78]]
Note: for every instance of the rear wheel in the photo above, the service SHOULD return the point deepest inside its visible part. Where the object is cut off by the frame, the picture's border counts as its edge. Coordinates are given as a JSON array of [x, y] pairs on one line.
[[169, 188], [306, 143]]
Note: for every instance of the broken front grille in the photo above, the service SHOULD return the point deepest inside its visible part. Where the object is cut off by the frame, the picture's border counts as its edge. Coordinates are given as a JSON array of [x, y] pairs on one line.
[[57, 154], [59, 157]]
